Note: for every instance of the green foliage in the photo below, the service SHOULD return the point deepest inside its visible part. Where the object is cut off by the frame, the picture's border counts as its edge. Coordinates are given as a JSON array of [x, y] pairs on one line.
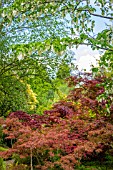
[[106, 69], [2, 164], [107, 163], [45, 83], [63, 71], [8, 92], [15, 95], [3, 149]]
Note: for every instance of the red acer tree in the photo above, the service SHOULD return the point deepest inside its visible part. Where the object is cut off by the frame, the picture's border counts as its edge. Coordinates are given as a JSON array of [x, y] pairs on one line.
[[75, 129]]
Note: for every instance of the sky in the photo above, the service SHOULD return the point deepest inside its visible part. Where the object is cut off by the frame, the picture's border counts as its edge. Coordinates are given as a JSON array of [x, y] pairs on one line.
[[85, 56]]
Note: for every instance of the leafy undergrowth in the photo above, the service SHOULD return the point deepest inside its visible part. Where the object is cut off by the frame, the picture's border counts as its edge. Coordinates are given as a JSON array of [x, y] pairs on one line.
[[77, 130]]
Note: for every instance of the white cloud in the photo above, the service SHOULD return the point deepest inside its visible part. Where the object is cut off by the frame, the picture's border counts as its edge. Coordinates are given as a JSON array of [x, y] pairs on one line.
[[85, 57]]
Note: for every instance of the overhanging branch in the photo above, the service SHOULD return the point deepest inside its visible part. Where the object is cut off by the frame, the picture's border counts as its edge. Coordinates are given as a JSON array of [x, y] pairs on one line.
[[103, 48], [101, 16], [96, 15]]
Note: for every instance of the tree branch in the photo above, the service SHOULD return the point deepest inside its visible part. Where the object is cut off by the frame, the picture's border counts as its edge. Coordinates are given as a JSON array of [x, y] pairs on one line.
[[96, 15], [103, 48], [101, 16]]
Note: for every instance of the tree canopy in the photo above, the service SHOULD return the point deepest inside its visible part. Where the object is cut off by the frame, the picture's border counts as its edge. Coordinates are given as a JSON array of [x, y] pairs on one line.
[[35, 35], [44, 24]]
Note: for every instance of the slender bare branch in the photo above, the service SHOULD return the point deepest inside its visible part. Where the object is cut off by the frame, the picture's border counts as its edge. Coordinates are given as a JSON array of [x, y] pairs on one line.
[[96, 15], [101, 16]]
